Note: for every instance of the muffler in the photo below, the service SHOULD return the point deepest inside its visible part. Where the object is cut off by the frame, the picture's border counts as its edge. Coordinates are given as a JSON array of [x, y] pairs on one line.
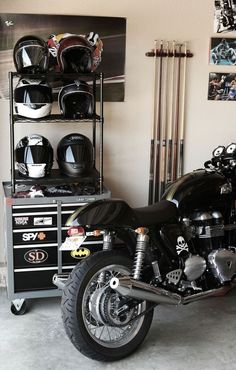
[[59, 280], [127, 286]]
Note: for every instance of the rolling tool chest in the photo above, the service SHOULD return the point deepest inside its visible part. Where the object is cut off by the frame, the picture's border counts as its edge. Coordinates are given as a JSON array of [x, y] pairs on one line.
[[34, 232]]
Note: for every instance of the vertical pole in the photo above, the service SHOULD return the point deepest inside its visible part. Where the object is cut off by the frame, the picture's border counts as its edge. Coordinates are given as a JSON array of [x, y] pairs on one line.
[[158, 130], [101, 135], [164, 125], [12, 139], [170, 117], [152, 146], [182, 115], [176, 126]]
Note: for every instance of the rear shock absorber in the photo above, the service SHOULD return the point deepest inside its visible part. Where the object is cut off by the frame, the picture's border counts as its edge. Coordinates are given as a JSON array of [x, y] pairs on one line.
[[141, 246]]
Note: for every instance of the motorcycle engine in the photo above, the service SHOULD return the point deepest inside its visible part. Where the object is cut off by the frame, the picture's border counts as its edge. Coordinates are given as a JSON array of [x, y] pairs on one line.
[[206, 231]]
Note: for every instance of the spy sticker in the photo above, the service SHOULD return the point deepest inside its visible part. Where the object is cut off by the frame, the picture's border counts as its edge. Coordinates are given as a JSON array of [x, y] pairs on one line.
[[181, 245]]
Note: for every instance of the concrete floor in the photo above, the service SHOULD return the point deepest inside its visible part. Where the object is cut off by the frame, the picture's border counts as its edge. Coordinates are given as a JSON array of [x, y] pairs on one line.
[[201, 335]]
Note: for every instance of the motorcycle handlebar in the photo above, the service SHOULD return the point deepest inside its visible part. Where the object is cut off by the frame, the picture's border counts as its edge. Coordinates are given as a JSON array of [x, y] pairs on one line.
[[225, 165]]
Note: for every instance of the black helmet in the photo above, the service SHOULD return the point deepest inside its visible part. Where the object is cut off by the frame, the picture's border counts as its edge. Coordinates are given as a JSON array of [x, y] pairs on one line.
[[31, 55], [76, 100], [33, 98], [34, 156], [75, 155]]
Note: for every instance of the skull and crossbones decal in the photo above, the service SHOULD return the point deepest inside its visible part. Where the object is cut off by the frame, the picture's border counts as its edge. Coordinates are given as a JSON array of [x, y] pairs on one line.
[[181, 245]]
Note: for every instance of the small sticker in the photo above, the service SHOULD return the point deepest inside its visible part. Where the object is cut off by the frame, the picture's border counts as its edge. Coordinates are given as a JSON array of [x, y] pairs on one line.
[[42, 221], [181, 245], [21, 220], [35, 256], [72, 243], [80, 253]]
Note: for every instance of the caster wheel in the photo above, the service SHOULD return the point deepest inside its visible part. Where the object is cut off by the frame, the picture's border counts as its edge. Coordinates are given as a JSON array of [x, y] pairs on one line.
[[19, 308]]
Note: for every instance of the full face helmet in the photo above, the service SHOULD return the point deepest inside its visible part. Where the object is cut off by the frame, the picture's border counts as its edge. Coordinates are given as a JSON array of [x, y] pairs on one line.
[[33, 98], [78, 54], [31, 55], [75, 155], [76, 100], [34, 156]]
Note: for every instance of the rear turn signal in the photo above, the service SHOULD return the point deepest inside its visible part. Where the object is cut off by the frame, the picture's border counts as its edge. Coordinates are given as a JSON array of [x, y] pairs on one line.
[[76, 230]]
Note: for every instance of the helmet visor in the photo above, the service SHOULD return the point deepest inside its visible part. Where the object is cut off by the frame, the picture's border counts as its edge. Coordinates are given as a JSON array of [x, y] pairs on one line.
[[33, 94], [31, 57], [77, 153], [79, 105], [77, 59], [34, 154]]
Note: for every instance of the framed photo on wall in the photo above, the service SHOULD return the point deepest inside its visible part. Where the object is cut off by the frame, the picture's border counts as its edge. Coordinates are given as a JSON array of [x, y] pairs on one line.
[[222, 51], [111, 30], [222, 86], [224, 16]]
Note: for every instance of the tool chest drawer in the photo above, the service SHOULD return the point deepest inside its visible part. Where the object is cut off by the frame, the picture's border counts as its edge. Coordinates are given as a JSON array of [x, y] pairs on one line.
[[31, 257], [40, 279], [34, 231]]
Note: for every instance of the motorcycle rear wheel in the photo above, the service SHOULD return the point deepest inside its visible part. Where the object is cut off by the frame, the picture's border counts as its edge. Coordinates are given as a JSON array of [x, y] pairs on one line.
[[89, 309]]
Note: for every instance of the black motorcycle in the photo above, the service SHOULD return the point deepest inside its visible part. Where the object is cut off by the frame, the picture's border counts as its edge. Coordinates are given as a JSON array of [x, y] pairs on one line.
[[177, 251]]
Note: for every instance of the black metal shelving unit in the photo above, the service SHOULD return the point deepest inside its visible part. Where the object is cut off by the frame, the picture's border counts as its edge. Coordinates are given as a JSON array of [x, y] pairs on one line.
[[97, 121]]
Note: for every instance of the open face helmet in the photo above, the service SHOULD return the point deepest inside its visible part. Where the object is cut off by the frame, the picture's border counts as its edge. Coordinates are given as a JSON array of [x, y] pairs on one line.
[[76, 100], [31, 55], [33, 98], [79, 54], [34, 156], [75, 155]]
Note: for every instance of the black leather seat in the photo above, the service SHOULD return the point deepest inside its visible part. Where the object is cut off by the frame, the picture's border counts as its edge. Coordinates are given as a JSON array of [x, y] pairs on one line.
[[160, 212]]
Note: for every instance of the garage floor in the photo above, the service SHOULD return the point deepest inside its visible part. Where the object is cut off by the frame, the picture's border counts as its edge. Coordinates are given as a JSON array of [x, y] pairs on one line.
[[198, 336]]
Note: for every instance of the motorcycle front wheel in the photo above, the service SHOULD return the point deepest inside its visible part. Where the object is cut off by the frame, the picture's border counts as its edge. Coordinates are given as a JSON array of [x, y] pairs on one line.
[[92, 311]]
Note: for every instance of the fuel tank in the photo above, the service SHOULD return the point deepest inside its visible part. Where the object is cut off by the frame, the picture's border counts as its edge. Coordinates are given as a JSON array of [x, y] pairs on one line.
[[199, 190]]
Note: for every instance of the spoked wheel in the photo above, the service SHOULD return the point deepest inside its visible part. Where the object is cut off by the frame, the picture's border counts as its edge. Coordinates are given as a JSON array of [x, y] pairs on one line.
[[99, 322]]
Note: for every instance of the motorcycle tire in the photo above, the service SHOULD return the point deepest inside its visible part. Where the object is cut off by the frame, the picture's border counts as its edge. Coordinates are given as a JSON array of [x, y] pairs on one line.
[[88, 312]]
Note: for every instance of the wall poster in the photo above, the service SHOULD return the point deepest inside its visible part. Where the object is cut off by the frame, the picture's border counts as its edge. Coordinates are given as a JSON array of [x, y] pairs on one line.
[[111, 30], [224, 16], [222, 86], [223, 51]]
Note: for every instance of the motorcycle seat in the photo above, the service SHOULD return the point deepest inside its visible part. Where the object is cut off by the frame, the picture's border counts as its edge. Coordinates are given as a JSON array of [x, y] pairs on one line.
[[161, 212], [117, 213]]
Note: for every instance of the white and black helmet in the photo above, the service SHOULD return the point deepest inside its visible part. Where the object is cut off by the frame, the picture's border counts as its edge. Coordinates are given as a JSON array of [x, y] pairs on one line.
[[33, 98], [34, 156], [31, 55], [76, 100]]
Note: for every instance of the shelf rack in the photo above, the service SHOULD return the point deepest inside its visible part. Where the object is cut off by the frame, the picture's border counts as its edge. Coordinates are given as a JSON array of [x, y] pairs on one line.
[[56, 177]]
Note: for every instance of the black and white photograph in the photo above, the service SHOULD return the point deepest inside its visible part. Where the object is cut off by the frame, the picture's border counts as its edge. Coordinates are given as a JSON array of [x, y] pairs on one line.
[[222, 51], [53, 28], [222, 86], [225, 16]]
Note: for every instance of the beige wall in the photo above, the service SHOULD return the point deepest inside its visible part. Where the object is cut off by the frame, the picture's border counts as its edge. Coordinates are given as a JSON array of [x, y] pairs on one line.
[[128, 124]]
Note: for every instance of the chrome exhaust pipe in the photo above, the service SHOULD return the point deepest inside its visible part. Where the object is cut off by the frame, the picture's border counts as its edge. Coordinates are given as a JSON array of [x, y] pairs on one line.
[[127, 286], [59, 280]]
